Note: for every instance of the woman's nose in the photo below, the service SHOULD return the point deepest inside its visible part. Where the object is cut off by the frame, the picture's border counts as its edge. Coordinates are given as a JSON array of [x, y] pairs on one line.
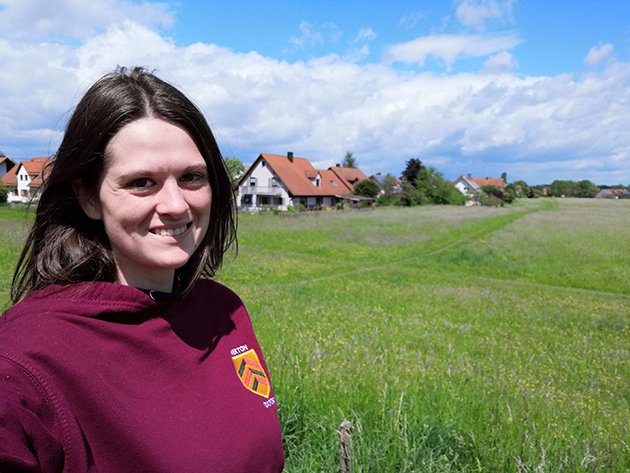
[[171, 200]]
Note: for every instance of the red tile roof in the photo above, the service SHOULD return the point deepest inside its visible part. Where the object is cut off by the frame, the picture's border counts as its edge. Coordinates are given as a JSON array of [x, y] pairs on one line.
[[349, 176], [35, 166], [488, 181], [10, 179]]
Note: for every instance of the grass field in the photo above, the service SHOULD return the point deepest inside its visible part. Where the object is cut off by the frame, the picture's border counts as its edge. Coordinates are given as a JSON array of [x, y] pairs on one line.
[[454, 339]]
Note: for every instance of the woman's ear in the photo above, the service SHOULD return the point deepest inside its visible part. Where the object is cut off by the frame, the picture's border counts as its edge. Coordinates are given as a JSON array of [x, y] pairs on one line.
[[88, 202]]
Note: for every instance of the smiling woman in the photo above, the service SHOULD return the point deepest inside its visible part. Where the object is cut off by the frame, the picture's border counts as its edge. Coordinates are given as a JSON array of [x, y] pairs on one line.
[[118, 340], [156, 207]]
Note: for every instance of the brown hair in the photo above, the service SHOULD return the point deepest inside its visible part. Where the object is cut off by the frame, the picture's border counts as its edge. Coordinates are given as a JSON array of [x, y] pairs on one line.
[[64, 245]]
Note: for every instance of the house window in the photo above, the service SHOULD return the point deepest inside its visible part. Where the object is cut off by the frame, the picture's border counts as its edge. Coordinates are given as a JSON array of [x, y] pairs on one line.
[[274, 182], [317, 182], [252, 181], [247, 199], [264, 199], [334, 184]]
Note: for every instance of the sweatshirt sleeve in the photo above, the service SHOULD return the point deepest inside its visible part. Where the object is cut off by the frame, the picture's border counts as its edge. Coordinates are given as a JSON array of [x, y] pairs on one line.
[[30, 436]]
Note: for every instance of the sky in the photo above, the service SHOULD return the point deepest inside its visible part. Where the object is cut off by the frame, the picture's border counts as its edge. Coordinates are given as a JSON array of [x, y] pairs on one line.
[[539, 90]]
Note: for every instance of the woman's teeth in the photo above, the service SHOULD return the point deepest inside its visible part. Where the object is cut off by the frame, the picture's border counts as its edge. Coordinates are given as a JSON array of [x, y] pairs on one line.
[[171, 231]]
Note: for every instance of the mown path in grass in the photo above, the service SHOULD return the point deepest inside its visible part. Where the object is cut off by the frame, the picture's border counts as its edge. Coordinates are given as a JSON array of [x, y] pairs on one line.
[[452, 240], [455, 339]]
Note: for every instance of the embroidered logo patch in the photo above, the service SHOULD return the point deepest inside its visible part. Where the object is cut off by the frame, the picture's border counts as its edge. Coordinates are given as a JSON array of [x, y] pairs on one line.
[[251, 373]]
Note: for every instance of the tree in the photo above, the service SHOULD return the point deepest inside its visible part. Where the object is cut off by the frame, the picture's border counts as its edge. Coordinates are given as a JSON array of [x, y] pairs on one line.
[[587, 189], [438, 190], [504, 195], [561, 188], [349, 161], [234, 167], [504, 176], [520, 188], [412, 169], [366, 188], [411, 196], [3, 193]]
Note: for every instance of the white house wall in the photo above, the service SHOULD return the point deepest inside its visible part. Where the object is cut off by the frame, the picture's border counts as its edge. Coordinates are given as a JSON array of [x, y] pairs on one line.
[[263, 190], [23, 181]]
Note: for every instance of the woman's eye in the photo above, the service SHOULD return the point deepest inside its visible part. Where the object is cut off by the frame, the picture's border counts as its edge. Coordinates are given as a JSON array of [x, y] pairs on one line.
[[194, 177], [142, 183]]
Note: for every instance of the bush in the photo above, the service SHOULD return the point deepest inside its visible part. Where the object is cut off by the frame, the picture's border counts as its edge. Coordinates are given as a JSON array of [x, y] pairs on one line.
[[387, 200], [3, 193], [490, 200], [366, 188]]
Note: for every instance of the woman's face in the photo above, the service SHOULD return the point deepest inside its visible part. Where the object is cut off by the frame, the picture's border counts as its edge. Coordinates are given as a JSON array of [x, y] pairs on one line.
[[154, 201]]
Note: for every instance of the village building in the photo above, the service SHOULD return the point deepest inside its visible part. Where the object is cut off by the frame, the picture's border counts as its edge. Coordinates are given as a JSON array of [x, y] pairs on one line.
[[24, 179], [283, 181], [616, 193], [470, 186], [380, 179]]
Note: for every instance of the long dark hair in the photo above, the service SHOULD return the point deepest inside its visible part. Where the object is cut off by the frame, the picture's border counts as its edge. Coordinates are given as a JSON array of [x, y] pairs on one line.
[[64, 246]]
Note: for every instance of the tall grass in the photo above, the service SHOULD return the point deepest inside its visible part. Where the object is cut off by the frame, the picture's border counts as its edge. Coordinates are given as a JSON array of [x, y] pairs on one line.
[[454, 339]]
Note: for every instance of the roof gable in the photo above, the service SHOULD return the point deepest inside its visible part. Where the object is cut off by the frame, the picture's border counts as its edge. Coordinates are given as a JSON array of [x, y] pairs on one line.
[[35, 166]]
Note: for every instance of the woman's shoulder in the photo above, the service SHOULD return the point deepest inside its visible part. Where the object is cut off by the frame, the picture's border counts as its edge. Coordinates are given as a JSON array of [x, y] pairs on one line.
[[86, 299], [217, 291]]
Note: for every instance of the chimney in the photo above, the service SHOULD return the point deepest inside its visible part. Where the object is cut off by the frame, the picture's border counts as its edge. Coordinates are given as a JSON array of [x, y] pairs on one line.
[[290, 156]]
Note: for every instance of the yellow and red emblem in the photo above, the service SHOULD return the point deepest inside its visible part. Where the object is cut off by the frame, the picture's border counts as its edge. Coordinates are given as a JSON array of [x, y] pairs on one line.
[[251, 373]]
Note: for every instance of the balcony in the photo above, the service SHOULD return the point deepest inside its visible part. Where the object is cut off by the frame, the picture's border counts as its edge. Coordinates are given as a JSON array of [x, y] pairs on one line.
[[260, 190]]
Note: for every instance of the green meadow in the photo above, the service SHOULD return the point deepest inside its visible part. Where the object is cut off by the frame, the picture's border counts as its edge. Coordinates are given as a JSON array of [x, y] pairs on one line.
[[454, 339]]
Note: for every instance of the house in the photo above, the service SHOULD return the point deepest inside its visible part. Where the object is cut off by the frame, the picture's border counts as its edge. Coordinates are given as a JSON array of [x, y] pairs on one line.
[[470, 186], [283, 181], [616, 193], [391, 186], [6, 164], [25, 179]]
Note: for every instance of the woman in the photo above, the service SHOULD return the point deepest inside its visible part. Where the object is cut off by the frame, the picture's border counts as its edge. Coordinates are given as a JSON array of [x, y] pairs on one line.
[[120, 354]]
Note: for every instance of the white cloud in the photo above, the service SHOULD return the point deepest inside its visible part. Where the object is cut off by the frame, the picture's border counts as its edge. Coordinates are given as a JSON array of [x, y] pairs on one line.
[[499, 63], [535, 128], [448, 48], [599, 54], [75, 19], [314, 35], [357, 54], [365, 34], [475, 13]]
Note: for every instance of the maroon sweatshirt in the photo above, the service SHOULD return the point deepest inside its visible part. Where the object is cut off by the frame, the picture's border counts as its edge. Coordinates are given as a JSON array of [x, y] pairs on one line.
[[98, 377]]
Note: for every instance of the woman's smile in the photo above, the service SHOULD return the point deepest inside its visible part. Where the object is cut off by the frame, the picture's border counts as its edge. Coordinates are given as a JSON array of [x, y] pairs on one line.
[[171, 231]]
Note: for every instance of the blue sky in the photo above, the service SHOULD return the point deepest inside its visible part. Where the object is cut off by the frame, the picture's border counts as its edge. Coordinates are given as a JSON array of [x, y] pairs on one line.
[[539, 90]]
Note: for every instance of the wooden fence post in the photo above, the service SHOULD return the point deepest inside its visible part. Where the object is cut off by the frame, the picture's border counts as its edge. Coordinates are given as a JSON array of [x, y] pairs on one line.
[[345, 447]]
